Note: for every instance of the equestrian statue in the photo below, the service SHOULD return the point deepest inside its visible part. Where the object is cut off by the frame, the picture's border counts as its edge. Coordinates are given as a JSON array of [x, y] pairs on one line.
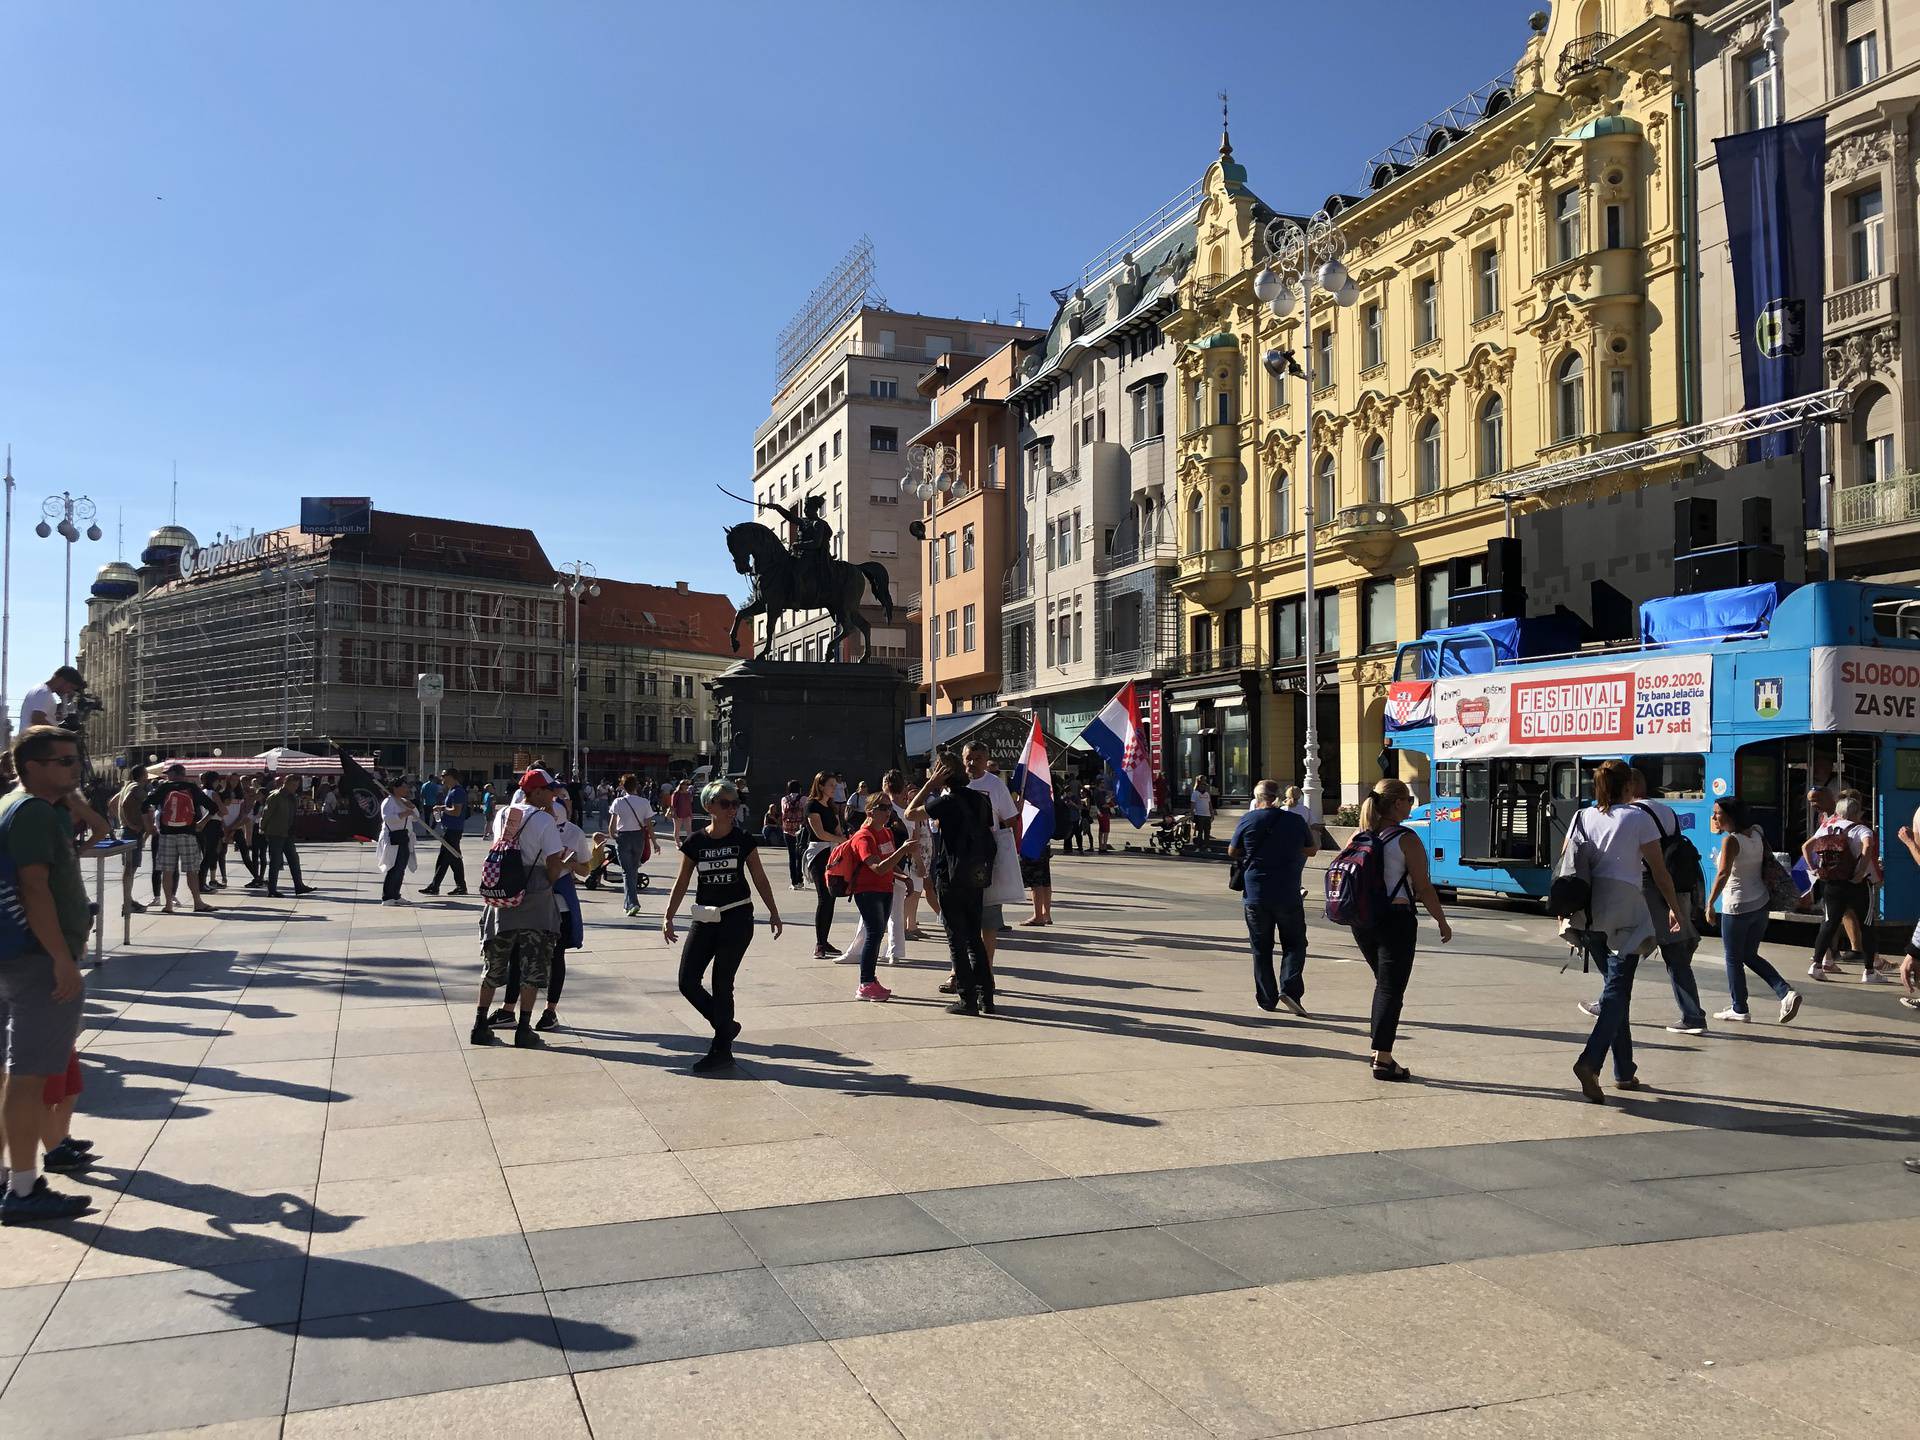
[[805, 577]]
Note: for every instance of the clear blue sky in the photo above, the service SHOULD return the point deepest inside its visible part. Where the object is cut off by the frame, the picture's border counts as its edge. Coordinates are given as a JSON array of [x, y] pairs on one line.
[[525, 262]]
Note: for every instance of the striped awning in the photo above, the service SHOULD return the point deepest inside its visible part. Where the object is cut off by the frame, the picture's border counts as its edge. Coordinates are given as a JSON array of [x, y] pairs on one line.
[[269, 762]]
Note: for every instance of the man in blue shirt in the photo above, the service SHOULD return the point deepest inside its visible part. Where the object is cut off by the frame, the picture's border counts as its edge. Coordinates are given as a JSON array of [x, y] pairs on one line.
[[1272, 846], [450, 812], [430, 792]]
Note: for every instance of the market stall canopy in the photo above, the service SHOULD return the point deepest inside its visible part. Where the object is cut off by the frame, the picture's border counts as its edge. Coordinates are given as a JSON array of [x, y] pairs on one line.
[[277, 761]]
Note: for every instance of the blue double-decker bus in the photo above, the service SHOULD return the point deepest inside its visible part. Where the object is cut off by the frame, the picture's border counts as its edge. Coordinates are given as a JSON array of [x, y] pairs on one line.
[[1762, 692]]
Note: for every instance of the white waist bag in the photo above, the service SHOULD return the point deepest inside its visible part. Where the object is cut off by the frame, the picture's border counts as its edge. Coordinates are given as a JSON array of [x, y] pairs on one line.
[[708, 914]]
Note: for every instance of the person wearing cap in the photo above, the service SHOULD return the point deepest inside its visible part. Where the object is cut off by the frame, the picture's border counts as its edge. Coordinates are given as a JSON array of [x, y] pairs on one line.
[[526, 934]]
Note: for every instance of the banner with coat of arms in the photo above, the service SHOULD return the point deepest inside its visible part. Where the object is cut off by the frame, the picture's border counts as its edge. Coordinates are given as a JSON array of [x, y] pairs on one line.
[[1409, 705], [1661, 706]]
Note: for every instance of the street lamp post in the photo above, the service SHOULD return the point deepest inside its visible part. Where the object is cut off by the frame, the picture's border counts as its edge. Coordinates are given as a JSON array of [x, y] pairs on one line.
[[1298, 259], [930, 478], [577, 579], [64, 514]]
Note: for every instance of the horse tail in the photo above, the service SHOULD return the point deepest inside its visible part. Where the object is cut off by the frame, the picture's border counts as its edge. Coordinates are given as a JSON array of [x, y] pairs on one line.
[[876, 574]]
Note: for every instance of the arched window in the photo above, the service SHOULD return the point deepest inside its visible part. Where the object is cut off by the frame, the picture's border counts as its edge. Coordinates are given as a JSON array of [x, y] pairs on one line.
[[1280, 505], [1426, 458], [1326, 495], [1373, 471], [1875, 421], [1570, 399], [1196, 525], [1493, 436]]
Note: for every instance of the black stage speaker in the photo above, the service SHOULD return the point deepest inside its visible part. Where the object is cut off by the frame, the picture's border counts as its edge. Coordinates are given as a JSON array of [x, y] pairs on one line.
[[1756, 520], [1694, 526]]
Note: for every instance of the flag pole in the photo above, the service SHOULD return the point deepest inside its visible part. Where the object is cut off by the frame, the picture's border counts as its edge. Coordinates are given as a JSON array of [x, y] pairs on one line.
[[386, 792]]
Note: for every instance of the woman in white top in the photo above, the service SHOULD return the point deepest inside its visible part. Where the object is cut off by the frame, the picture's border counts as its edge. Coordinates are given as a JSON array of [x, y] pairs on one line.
[[1200, 799], [1845, 902], [1607, 845], [1743, 912], [395, 850]]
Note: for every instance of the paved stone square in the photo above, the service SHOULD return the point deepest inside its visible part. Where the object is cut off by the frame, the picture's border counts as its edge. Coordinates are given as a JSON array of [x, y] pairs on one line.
[[1132, 1204]]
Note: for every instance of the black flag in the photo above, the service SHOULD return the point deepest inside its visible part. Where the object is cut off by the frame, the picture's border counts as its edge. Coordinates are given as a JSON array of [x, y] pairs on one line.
[[360, 797]]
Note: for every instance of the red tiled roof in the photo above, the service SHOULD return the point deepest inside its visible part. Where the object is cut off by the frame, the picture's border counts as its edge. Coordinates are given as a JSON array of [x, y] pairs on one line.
[[664, 616]]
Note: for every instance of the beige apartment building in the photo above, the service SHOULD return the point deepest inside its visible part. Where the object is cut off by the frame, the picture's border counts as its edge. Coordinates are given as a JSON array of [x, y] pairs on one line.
[[1858, 63], [839, 424]]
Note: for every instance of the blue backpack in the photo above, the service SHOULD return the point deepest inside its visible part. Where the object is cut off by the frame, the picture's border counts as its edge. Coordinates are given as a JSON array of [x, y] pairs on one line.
[[16, 935], [1357, 879]]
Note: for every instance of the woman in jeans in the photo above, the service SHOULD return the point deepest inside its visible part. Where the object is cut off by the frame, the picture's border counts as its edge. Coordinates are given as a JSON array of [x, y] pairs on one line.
[[1743, 913], [823, 833], [1841, 899], [1388, 945], [1608, 845], [632, 820], [876, 851]]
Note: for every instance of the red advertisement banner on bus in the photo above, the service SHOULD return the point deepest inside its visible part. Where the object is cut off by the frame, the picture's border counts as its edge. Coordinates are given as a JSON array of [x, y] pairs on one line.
[[1655, 705]]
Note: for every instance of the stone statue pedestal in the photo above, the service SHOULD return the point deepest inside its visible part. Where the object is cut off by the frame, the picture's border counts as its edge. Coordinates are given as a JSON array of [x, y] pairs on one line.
[[784, 720]]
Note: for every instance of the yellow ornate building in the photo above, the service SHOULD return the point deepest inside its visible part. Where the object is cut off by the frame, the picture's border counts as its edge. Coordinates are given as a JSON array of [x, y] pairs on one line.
[[1520, 268]]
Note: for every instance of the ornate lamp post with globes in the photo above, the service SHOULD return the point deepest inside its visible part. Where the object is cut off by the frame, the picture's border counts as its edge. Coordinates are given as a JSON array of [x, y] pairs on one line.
[[577, 579], [64, 514], [1298, 260], [929, 479]]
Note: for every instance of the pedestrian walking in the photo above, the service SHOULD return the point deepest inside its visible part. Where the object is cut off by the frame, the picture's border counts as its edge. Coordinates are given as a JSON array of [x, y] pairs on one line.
[[520, 923], [1269, 851], [681, 808], [1389, 942], [276, 827], [983, 777], [1200, 802], [394, 853], [450, 818], [1606, 847], [579, 855], [823, 833], [793, 830], [632, 820], [875, 852], [42, 994], [1739, 877], [962, 870], [181, 810], [719, 863], [1066, 816], [1843, 855]]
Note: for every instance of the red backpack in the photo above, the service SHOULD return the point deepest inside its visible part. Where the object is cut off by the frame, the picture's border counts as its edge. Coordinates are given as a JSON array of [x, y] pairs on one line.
[[177, 808], [1833, 858], [1357, 879], [842, 863]]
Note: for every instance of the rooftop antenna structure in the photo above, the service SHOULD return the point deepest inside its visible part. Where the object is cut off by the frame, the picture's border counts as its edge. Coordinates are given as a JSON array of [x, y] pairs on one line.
[[1019, 309], [173, 509], [848, 286]]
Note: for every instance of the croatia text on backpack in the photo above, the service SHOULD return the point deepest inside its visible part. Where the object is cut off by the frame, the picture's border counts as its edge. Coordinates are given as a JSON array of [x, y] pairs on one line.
[[1682, 860], [841, 863], [1357, 879], [1832, 858], [503, 874]]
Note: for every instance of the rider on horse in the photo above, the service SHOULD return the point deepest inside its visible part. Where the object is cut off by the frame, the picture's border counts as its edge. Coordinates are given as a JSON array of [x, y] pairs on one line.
[[812, 542]]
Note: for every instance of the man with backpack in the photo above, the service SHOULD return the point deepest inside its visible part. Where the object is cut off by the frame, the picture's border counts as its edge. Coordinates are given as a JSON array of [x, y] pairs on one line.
[[1689, 882], [519, 921], [1844, 857], [181, 810], [1271, 847], [793, 828], [961, 875]]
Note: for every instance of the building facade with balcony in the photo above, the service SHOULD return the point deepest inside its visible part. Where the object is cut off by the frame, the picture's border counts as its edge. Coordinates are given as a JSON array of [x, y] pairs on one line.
[[1519, 268], [1857, 62], [1088, 584], [836, 430], [974, 440], [647, 653]]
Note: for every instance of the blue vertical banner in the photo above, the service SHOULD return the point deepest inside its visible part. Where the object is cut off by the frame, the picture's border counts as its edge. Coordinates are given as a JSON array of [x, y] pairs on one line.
[[1773, 183]]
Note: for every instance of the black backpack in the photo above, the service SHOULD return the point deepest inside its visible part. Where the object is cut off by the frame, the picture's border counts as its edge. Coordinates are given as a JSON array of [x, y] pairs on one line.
[[1683, 861], [968, 853]]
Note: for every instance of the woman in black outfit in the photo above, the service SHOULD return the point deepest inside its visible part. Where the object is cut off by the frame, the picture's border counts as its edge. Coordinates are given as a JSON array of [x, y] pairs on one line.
[[823, 833], [1388, 945], [720, 858]]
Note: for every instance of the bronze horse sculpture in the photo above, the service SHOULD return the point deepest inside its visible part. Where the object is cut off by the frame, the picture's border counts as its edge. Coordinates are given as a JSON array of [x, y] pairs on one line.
[[782, 583]]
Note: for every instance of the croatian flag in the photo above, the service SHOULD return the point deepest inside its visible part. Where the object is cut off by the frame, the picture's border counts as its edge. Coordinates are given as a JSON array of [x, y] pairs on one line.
[[1033, 792], [1115, 737]]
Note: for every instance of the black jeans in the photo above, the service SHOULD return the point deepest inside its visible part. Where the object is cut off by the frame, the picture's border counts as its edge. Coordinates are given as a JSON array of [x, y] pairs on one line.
[[722, 944], [1288, 916], [402, 847], [213, 850], [1387, 947], [823, 899], [1837, 898], [796, 847], [962, 908], [449, 862], [280, 851]]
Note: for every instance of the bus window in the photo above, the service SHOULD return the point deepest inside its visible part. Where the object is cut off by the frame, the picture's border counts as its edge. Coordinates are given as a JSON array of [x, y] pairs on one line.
[[1897, 619], [1674, 777], [1446, 777], [1566, 780], [1473, 780], [1906, 769]]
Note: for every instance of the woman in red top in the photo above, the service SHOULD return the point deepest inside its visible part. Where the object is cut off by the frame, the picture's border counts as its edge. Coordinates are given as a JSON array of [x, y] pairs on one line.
[[875, 855]]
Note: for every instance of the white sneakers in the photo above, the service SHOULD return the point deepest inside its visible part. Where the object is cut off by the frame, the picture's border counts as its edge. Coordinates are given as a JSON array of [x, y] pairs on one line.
[[1789, 1006], [1731, 1014]]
